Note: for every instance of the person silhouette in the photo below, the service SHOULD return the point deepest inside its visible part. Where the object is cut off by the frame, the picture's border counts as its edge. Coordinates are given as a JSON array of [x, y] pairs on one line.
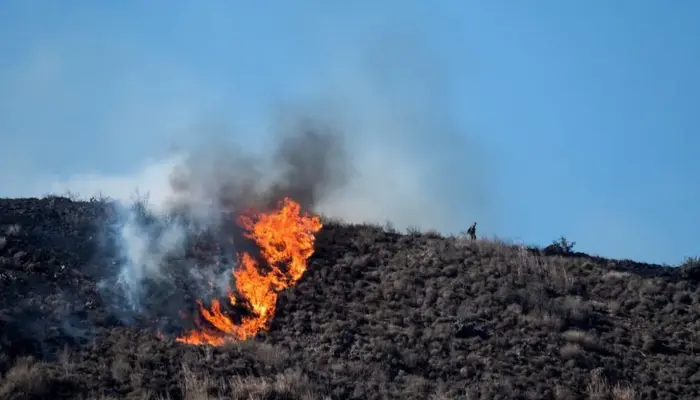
[[472, 231]]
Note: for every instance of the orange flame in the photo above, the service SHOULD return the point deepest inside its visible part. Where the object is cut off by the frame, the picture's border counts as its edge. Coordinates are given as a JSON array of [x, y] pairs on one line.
[[285, 238]]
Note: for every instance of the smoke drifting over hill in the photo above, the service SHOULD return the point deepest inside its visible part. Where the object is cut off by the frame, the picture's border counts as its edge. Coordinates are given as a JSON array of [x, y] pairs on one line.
[[209, 190], [404, 155]]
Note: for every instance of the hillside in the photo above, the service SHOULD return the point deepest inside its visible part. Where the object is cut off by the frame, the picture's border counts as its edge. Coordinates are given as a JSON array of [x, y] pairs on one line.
[[377, 315]]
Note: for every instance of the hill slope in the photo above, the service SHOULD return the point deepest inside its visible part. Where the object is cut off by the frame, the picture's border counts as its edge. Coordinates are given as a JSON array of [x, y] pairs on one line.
[[377, 315]]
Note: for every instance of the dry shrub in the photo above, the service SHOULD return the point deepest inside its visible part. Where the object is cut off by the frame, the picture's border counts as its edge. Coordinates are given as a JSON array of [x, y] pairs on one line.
[[598, 388], [266, 353], [563, 393], [615, 275], [558, 277], [194, 387], [120, 369], [545, 319], [577, 308], [26, 379], [570, 350], [623, 392], [493, 245], [66, 361], [583, 339], [289, 385]]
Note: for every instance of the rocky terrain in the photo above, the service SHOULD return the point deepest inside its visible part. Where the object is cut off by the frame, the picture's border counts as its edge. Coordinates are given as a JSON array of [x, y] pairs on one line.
[[378, 315]]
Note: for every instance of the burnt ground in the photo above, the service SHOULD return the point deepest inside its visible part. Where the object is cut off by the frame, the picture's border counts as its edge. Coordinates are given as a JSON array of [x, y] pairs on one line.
[[377, 315]]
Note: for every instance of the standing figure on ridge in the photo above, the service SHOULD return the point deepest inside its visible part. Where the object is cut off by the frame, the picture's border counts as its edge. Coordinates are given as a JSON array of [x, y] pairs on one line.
[[472, 231]]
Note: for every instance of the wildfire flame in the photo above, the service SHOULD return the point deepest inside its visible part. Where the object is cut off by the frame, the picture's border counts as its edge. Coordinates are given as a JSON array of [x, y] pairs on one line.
[[285, 238]]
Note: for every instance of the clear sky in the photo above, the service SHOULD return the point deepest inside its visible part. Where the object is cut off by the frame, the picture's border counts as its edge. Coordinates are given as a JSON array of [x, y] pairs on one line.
[[575, 118]]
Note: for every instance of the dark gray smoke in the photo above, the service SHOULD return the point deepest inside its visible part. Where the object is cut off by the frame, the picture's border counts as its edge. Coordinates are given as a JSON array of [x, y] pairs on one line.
[[209, 188], [313, 164], [307, 162]]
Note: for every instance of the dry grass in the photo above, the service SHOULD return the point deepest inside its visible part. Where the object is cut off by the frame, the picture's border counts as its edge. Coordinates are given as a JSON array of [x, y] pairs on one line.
[[26, 379], [292, 384], [599, 388], [585, 340], [266, 353]]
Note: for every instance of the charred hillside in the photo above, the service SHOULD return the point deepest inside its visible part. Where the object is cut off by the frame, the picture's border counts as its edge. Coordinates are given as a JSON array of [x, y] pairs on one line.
[[377, 314]]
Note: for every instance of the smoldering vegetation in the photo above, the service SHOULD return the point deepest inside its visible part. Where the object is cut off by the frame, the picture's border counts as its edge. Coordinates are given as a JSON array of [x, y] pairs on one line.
[[379, 314]]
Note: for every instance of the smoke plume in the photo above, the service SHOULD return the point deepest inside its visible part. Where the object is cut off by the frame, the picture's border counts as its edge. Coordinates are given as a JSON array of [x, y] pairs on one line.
[[367, 147], [207, 189]]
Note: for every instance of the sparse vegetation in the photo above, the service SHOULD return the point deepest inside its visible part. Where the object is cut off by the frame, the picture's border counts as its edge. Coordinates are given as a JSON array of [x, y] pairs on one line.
[[560, 246], [378, 315], [691, 262]]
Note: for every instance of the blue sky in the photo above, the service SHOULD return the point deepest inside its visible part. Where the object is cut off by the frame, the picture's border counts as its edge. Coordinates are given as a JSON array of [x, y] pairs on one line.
[[537, 119]]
